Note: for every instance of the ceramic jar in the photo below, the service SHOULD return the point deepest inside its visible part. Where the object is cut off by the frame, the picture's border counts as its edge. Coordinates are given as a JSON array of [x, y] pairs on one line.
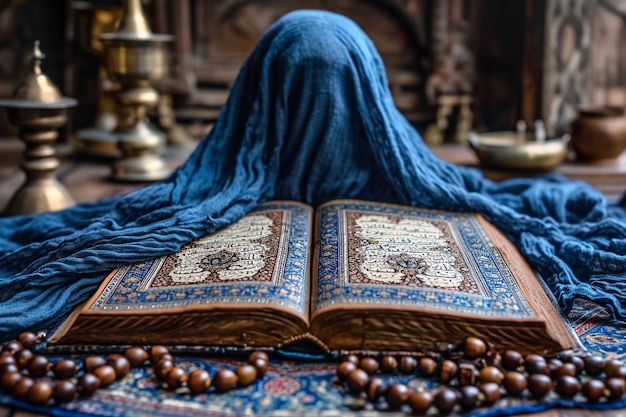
[[599, 133]]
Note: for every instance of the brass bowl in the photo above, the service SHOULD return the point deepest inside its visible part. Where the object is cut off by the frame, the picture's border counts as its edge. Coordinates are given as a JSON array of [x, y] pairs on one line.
[[503, 150]]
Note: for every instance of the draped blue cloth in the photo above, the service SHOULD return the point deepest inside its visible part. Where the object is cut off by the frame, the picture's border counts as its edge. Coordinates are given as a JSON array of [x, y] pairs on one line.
[[309, 118]]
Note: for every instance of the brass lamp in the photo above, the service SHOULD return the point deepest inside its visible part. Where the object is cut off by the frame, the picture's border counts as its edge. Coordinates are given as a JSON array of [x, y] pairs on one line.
[[38, 110], [135, 57]]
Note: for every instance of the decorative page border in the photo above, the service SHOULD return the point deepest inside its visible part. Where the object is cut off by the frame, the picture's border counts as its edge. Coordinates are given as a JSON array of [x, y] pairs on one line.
[[500, 296], [129, 290]]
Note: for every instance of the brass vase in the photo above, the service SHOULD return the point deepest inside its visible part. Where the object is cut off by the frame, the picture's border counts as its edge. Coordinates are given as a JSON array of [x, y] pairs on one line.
[[38, 109], [135, 57]]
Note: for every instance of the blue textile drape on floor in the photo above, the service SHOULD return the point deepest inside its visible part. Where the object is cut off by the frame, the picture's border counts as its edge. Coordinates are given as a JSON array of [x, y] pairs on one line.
[[310, 118]]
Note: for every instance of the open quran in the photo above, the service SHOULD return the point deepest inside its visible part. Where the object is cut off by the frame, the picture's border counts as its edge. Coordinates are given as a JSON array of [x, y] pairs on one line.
[[347, 276]]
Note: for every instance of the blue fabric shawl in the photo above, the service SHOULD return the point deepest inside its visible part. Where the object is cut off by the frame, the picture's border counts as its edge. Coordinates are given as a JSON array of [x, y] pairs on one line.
[[310, 118]]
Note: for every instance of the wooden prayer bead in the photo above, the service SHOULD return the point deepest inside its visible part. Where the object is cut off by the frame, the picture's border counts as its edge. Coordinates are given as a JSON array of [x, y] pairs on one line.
[[396, 395], [37, 366], [28, 340], [199, 381], [20, 390], [106, 375], [259, 354], [351, 358], [40, 393], [175, 378], [136, 356], [578, 362], [388, 364], [246, 375], [445, 400], [9, 380], [375, 388], [162, 367], [157, 351], [474, 347], [91, 363], [491, 393], [539, 385], [514, 382], [615, 388], [420, 401], [344, 369], [427, 366], [22, 356], [512, 359], [357, 380], [64, 391], [567, 386], [261, 366], [490, 374], [469, 396], [120, 364], [369, 365], [87, 384], [447, 371], [225, 380], [64, 368], [568, 369], [593, 390], [536, 364], [408, 364], [12, 346], [594, 365]]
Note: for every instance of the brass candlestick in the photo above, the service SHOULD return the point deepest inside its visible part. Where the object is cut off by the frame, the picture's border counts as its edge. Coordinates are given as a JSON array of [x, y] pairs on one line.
[[38, 110], [135, 57]]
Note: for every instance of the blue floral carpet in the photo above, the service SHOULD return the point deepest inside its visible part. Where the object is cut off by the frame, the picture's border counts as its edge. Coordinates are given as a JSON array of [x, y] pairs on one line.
[[308, 388]]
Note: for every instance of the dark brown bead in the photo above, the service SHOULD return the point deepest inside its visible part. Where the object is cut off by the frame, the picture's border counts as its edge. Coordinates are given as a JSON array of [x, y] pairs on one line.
[[567, 386], [469, 396], [87, 384], [493, 358], [490, 374], [447, 371], [20, 390], [199, 381], [40, 393], [369, 365], [536, 364], [9, 380], [225, 380], [246, 375], [136, 356], [593, 390], [610, 367], [157, 351], [65, 368], [445, 400], [396, 395], [258, 354], [568, 369], [357, 380], [615, 388], [512, 359], [22, 356], [162, 367], [468, 374], [64, 391], [28, 340], [38, 365], [578, 362], [92, 362], [351, 358], [514, 382], [9, 367], [420, 401], [554, 364], [491, 393], [7, 357], [474, 347], [594, 365], [539, 385], [175, 378], [618, 372], [388, 364], [375, 388], [427, 366], [120, 363], [344, 369], [106, 375], [261, 366], [12, 346], [408, 364]]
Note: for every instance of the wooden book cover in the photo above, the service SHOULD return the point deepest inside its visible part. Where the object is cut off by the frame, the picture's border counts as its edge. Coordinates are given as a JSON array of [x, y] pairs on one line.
[[351, 275]]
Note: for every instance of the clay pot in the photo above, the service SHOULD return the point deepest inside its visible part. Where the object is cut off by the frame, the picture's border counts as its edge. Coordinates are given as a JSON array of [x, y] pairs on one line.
[[599, 133]]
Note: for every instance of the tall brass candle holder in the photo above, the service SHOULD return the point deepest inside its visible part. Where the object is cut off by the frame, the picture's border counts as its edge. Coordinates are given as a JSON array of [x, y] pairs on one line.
[[135, 57], [38, 110]]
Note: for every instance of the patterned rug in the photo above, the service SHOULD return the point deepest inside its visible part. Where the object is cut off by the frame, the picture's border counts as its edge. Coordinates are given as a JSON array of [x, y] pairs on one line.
[[308, 388]]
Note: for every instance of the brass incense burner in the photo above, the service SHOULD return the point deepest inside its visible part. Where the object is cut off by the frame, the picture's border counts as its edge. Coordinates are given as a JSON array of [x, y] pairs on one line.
[[135, 57], [38, 110], [519, 150]]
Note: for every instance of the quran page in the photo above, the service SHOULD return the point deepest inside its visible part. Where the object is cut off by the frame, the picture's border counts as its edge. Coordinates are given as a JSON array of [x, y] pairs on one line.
[[245, 285], [399, 278]]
